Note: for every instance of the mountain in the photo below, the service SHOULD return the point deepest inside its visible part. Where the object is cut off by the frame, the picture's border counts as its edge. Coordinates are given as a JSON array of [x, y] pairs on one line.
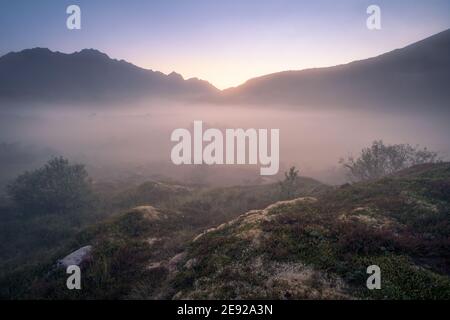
[[416, 76], [40, 75]]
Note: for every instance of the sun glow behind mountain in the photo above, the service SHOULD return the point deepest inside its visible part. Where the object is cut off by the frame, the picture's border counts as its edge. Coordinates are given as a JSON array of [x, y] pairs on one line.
[[227, 42]]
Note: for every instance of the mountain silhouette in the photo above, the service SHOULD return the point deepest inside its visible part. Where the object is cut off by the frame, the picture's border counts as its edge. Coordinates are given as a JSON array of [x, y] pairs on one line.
[[416, 76], [40, 75]]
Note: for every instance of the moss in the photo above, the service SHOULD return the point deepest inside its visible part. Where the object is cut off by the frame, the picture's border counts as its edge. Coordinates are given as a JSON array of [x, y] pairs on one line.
[[402, 279]]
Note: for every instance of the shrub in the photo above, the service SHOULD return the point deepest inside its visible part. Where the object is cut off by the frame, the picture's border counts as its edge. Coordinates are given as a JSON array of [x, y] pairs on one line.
[[58, 187], [289, 184], [380, 160]]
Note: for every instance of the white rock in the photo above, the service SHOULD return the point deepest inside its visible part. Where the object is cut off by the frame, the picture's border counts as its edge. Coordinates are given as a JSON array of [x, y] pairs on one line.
[[75, 258]]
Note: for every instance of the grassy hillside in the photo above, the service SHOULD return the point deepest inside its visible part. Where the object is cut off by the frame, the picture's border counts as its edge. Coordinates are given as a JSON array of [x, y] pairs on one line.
[[129, 241], [249, 242], [321, 247]]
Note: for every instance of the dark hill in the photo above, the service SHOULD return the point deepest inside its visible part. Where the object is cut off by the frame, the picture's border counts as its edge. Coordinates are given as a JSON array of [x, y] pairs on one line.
[[414, 77], [40, 75]]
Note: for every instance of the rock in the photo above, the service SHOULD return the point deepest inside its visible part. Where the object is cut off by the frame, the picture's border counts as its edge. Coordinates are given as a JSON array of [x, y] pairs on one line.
[[173, 263], [75, 258], [152, 241], [256, 216], [361, 209], [178, 295], [291, 202], [154, 265], [191, 263], [148, 212]]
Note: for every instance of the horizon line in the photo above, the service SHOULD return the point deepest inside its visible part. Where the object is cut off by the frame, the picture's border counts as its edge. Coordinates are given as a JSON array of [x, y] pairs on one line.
[[231, 87]]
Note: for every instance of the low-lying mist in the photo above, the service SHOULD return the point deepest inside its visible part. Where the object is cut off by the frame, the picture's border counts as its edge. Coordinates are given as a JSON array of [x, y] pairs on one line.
[[133, 142]]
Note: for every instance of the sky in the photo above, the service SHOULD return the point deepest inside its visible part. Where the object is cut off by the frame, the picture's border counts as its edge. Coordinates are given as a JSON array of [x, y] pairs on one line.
[[223, 42]]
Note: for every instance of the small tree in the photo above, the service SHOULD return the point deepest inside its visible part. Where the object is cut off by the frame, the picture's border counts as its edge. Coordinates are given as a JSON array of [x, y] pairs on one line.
[[58, 187], [380, 160], [289, 184]]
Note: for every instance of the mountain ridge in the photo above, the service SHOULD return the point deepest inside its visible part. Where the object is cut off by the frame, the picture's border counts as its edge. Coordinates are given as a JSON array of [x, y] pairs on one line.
[[85, 76], [442, 34], [412, 77], [416, 75]]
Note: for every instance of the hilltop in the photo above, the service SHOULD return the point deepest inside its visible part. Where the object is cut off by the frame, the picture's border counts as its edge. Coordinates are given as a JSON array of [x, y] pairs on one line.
[[319, 248]]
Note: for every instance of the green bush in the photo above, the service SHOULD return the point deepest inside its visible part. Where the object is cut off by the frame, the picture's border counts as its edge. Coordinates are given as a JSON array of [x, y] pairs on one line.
[[58, 187]]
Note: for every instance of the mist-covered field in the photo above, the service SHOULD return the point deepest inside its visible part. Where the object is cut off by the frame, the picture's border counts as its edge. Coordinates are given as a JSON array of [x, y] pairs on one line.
[[134, 141]]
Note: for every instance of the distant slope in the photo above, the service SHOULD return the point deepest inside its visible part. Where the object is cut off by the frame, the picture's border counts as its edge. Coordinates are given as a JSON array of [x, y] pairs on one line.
[[416, 76], [40, 75]]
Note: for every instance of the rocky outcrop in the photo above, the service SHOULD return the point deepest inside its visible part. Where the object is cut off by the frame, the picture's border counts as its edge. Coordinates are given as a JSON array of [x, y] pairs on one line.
[[254, 216], [280, 280]]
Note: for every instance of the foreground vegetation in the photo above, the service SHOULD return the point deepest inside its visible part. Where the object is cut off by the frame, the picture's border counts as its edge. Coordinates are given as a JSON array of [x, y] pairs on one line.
[[124, 239], [253, 242], [321, 247]]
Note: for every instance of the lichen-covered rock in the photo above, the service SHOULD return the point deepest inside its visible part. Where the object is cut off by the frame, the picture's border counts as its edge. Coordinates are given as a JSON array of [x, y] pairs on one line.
[[177, 259]]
